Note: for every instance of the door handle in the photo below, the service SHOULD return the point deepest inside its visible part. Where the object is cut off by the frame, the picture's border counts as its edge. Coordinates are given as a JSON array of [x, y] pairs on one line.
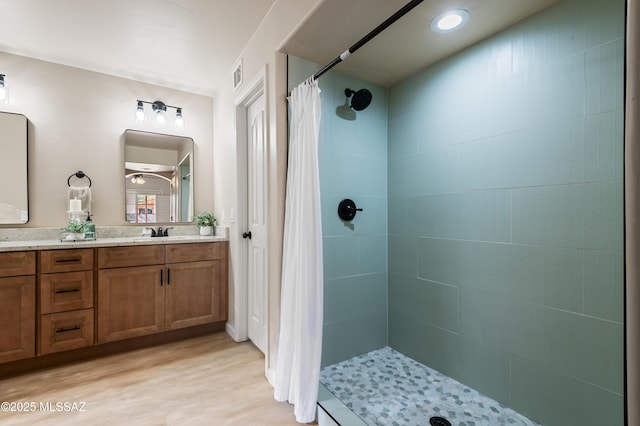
[[246, 235]]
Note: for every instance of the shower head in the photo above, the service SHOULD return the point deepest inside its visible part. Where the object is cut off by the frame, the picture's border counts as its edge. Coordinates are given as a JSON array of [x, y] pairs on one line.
[[360, 100]]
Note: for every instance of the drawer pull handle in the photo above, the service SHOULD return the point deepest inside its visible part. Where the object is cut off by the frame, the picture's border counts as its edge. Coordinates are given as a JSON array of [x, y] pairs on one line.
[[64, 330], [161, 277], [168, 276], [73, 290], [69, 260]]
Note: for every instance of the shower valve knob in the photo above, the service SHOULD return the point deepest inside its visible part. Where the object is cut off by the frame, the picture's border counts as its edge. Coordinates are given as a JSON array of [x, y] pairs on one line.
[[347, 210]]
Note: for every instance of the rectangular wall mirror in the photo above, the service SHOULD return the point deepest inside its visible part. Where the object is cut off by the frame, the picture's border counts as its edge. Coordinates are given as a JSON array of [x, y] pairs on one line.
[[14, 188], [158, 177]]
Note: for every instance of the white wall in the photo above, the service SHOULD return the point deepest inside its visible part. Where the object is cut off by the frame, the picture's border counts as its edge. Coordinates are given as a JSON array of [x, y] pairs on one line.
[[76, 121], [260, 52]]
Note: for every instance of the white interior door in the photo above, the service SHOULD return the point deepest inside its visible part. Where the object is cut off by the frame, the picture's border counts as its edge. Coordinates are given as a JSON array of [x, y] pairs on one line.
[[256, 235]]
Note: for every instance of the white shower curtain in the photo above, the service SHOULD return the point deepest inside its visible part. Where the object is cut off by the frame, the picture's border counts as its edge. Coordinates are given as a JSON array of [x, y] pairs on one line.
[[300, 345]]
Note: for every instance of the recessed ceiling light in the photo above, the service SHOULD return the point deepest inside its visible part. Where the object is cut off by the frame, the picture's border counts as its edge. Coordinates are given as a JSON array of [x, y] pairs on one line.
[[449, 21]]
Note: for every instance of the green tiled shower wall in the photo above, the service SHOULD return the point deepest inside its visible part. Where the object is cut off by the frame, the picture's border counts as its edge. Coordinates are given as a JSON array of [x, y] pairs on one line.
[[353, 164], [491, 242], [506, 215]]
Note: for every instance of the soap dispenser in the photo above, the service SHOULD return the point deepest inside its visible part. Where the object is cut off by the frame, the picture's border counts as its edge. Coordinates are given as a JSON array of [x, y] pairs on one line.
[[90, 233]]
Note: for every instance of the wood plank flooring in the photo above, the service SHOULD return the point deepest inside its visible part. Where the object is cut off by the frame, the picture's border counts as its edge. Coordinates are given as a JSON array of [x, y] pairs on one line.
[[208, 380]]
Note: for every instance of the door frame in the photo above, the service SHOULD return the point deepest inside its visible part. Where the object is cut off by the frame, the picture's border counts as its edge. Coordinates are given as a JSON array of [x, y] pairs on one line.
[[250, 92]]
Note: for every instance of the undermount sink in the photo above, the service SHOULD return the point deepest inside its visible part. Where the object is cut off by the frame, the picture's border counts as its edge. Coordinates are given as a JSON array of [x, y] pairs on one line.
[[168, 238]]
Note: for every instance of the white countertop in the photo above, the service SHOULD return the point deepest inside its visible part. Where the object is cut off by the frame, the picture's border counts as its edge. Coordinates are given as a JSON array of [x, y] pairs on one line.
[[6, 246]]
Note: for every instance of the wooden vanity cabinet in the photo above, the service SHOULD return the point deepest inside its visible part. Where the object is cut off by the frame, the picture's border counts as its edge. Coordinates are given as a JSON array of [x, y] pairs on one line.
[[66, 311], [70, 299], [145, 290], [17, 305]]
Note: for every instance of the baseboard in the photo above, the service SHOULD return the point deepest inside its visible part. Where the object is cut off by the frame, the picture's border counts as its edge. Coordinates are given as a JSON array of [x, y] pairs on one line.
[[231, 331], [271, 376]]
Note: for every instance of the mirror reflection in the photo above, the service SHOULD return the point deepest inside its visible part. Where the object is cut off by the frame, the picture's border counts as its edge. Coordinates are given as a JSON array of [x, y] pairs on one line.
[[14, 194], [158, 177]]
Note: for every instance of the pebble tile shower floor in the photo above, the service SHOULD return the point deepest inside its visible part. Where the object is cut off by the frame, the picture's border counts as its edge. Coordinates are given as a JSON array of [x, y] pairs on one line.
[[384, 387]]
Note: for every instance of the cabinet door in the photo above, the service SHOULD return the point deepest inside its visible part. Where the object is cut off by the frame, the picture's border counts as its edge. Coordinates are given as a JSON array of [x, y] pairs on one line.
[[17, 318], [130, 302], [192, 294]]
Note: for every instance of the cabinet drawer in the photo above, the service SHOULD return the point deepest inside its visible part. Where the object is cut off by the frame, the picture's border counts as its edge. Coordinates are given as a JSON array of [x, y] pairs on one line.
[[17, 263], [66, 330], [66, 291], [177, 253], [66, 260], [120, 257]]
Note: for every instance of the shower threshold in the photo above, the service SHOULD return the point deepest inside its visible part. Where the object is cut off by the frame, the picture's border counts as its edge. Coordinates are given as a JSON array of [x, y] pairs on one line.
[[385, 387]]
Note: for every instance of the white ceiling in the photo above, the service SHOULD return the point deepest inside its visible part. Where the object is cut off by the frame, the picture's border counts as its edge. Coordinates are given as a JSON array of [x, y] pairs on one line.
[[406, 46], [183, 44], [191, 45]]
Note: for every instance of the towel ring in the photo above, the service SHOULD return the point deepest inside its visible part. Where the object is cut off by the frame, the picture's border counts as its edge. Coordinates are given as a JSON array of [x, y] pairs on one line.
[[79, 174]]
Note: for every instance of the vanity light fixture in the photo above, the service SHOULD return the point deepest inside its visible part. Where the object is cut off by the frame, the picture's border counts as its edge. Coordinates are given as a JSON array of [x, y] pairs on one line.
[[138, 179], [3, 88], [449, 21], [160, 110]]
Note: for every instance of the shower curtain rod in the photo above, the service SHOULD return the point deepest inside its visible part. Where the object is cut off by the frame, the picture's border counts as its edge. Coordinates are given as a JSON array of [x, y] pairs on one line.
[[364, 40]]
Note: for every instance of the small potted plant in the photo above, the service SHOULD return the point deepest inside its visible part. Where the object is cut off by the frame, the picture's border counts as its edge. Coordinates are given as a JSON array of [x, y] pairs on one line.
[[206, 222], [75, 230]]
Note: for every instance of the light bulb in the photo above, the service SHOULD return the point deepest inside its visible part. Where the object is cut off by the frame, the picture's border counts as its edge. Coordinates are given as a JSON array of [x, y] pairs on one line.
[[159, 108], [140, 111], [3, 89], [179, 118], [133, 179], [450, 21]]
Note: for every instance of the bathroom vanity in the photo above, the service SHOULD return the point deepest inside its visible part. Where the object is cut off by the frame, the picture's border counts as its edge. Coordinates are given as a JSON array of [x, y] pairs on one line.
[[85, 299]]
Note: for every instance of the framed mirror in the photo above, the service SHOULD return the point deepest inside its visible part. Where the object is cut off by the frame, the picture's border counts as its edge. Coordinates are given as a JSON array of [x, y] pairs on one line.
[[158, 177], [14, 188]]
